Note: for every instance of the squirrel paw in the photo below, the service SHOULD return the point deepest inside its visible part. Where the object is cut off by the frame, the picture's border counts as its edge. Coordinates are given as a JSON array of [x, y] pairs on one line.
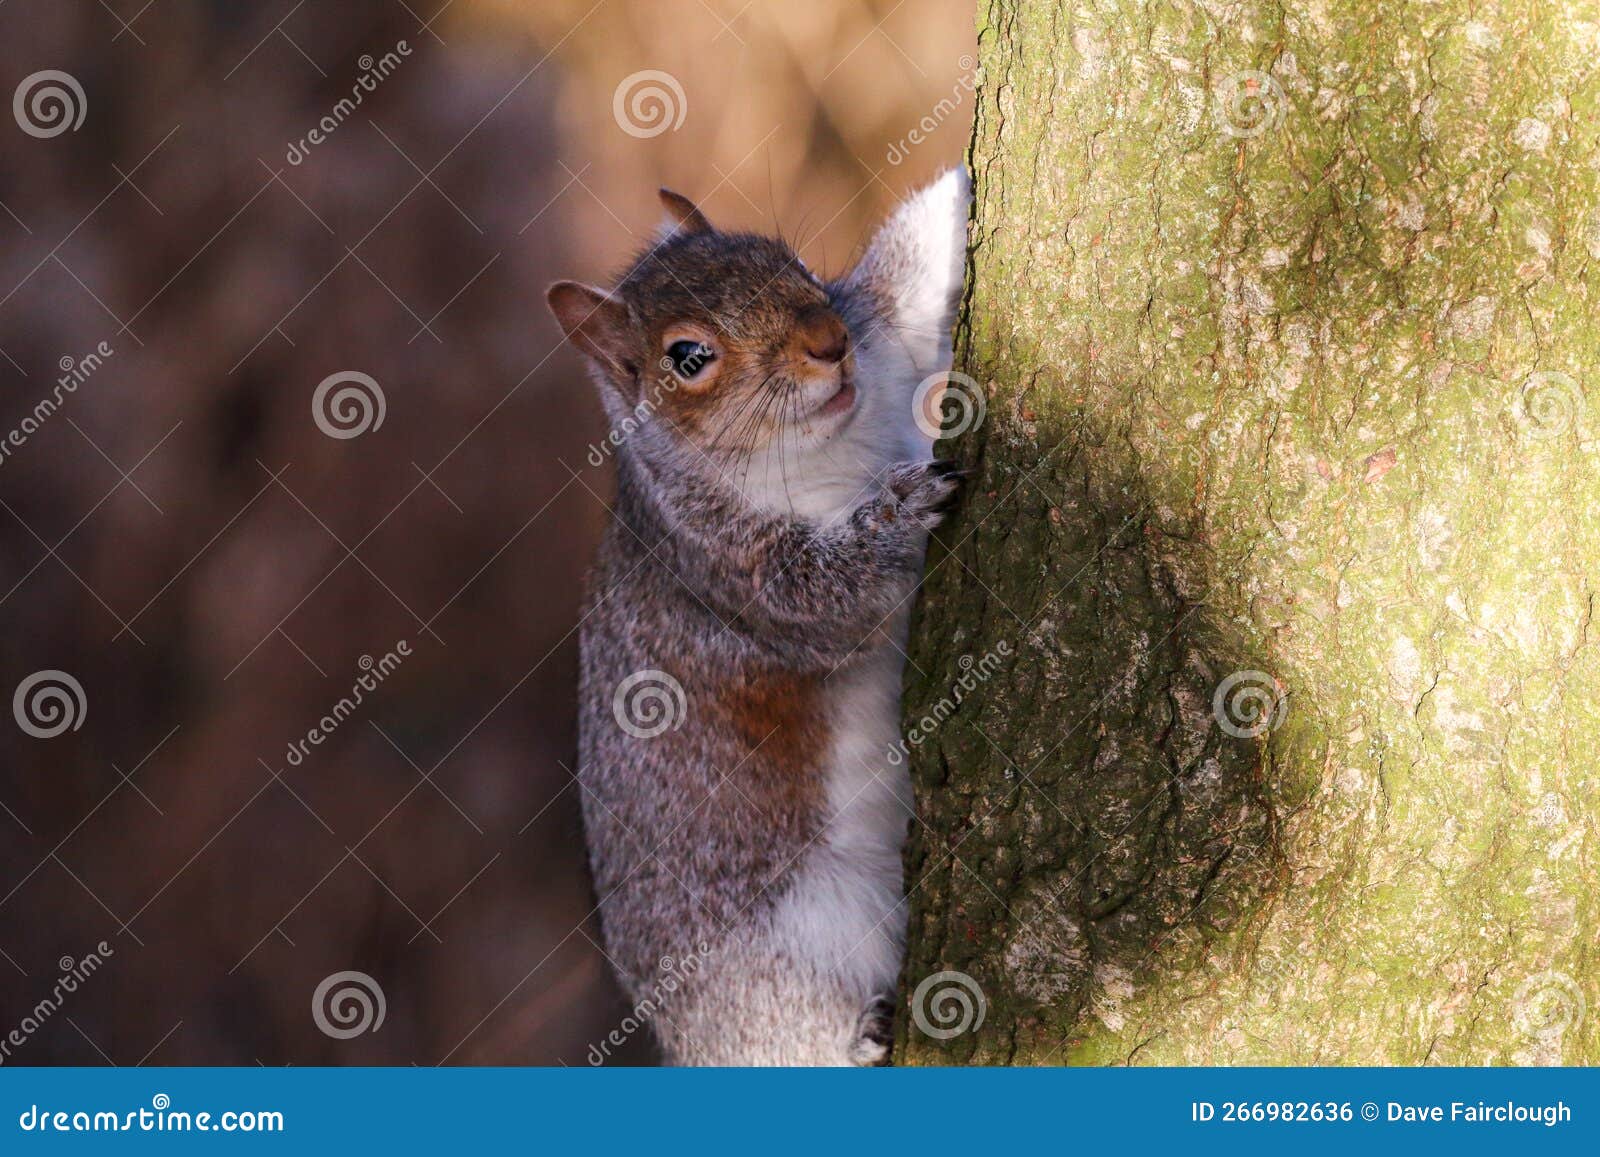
[[874, 1033], [920, 492]]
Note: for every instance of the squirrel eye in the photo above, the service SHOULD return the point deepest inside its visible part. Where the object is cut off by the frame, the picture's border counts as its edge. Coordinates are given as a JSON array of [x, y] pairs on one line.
[[688, 358]]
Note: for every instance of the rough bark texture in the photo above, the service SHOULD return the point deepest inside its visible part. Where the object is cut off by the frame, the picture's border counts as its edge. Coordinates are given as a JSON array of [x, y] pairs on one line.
[[1286, 323]]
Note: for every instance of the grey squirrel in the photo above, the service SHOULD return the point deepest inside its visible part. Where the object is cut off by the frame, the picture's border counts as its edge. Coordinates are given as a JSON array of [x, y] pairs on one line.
[[742, 641]]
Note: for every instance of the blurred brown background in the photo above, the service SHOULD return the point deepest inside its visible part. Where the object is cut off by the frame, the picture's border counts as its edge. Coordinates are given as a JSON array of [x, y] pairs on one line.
[[182, 539]]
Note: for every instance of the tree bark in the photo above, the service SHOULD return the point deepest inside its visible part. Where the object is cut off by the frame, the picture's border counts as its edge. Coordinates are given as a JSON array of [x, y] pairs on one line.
[[1251, 712]]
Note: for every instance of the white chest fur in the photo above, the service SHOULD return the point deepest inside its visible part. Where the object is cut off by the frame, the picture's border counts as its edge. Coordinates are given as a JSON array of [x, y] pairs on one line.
[[843, 913]]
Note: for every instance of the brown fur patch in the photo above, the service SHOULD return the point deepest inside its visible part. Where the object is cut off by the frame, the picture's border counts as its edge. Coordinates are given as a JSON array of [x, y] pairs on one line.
[[779, 719]]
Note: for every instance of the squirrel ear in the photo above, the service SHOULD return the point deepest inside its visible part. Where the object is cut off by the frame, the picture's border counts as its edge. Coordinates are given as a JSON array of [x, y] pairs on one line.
[[595, 321], [916, 264], [682, 215]]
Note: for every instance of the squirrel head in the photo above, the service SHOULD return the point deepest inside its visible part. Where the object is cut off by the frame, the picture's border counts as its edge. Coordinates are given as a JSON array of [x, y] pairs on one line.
[[727, 334], [721, 352]]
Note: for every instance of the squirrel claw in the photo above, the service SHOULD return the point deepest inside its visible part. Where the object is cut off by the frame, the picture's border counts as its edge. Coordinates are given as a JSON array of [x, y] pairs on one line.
[[922, 491], [874, 1033]]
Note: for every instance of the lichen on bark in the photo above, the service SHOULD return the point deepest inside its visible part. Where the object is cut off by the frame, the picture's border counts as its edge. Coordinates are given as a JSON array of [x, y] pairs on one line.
[[1285, 318]]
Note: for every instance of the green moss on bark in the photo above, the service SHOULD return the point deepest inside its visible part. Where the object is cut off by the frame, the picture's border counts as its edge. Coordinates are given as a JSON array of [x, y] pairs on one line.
[[1286, 324]]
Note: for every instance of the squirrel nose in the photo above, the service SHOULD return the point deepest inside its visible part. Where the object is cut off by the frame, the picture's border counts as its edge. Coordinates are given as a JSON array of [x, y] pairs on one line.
[[823, 335]]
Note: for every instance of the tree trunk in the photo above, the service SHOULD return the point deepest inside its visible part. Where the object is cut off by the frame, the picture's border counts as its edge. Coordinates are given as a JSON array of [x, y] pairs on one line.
[[1251, 710]]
